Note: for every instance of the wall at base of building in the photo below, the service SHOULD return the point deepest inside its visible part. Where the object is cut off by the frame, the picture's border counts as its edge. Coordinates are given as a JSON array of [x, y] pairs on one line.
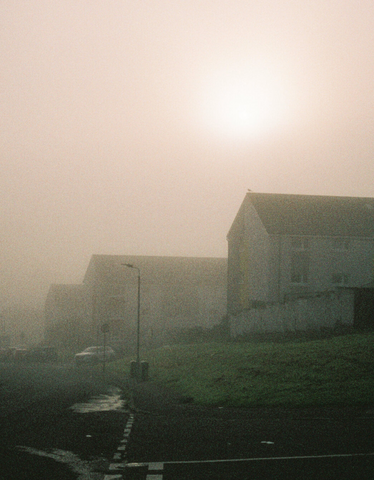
[[327, 310]]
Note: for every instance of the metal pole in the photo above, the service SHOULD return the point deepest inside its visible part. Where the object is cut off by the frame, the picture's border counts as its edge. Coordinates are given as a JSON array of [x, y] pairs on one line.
[[138, 326], [138, 322], [104, 359]]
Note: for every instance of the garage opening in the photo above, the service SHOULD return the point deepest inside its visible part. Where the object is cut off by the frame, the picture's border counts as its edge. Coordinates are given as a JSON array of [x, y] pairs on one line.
[[364, 308]]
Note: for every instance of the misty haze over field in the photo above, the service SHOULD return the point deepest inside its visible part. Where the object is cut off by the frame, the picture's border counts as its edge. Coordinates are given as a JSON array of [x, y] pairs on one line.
[[137, 127]]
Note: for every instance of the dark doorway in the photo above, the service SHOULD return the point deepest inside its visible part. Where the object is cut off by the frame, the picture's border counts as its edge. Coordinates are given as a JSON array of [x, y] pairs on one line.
[[364, 308]]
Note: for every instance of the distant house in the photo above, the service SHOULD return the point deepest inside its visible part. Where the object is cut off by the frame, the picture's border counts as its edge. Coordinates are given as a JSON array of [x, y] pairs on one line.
[[287, 247], [176, 292], [66, 312]]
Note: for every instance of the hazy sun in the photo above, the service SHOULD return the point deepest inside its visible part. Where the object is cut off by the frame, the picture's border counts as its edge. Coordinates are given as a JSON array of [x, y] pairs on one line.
[[244, 106]]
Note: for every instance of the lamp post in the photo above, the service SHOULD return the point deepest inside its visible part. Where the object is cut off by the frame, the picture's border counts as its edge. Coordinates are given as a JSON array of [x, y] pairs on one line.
[[138, 318]]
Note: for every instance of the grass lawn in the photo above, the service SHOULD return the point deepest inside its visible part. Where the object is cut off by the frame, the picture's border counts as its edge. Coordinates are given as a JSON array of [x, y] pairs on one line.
[[335, 371]]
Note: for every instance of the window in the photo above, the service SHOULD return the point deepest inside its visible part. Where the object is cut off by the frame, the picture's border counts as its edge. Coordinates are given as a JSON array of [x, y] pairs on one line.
[[340, 244], [300, 243], [299, 259], [340, 278], [242, 247], [241, 278], [299, 267]]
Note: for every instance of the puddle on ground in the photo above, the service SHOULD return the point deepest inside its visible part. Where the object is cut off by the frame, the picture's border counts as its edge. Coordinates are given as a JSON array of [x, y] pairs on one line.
[[84, 469], [102, 403]]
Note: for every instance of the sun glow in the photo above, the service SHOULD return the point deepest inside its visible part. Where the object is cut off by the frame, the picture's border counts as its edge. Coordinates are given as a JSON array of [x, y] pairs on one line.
[[245, 106]]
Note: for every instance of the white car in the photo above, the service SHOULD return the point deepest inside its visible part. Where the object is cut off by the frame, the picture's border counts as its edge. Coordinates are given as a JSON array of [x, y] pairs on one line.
[[94, 355]]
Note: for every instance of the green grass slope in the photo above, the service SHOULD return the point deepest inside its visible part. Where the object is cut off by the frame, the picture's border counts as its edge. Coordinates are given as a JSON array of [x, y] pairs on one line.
[[336, 371]]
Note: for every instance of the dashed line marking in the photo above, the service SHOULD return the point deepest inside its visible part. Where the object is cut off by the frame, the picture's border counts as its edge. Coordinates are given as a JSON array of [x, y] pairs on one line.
[[121, 455], [156, 466], [117, 466]]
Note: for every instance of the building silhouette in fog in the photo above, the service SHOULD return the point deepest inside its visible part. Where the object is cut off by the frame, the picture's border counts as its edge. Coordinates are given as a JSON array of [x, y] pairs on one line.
[[176, 293]]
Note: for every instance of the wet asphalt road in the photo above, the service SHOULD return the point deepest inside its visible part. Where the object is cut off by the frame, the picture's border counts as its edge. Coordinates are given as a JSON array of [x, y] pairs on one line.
[[42, 437], [185, 441]]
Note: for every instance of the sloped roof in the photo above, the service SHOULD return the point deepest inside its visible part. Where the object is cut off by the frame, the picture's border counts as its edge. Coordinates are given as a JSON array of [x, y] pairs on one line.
[[283, 214], [156, 269]]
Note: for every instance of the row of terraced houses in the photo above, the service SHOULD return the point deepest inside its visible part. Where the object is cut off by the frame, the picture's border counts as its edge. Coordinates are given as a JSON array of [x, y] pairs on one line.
[[295, 262]]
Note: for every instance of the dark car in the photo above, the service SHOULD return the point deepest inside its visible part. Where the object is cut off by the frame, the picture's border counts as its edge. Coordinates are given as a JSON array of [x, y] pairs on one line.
[[42, 354]]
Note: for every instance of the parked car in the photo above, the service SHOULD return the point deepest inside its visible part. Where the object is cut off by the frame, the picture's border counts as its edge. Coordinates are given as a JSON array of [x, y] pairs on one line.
[[94, 355], [42, 354], [18, 354]]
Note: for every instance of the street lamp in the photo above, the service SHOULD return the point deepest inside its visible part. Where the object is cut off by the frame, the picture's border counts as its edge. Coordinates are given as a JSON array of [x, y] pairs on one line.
[[138, 322]]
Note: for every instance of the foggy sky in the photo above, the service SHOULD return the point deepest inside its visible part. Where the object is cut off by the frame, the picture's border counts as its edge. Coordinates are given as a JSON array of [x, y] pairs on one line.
[[137, 127]]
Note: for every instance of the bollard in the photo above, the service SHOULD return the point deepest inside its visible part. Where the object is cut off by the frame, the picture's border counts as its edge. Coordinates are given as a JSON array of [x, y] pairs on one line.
[[144, 368], [133, 369]]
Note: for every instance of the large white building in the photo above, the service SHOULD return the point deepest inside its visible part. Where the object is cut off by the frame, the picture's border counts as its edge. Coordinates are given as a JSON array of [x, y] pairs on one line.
[[283, 247]]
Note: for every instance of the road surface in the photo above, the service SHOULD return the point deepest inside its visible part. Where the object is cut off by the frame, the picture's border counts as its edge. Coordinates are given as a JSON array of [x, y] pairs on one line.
[[172, 439], [42, 437], [59, 422]]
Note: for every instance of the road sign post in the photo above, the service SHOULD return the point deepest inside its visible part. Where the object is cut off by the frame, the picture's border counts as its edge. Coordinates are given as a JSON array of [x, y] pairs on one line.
[[105, 330]]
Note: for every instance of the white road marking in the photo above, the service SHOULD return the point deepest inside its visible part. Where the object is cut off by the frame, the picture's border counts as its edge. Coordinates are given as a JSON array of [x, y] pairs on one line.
[[117, 466], [84, 468], [156, 466], [121, 453], [153, 477], [255, 459], [261, 459]]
